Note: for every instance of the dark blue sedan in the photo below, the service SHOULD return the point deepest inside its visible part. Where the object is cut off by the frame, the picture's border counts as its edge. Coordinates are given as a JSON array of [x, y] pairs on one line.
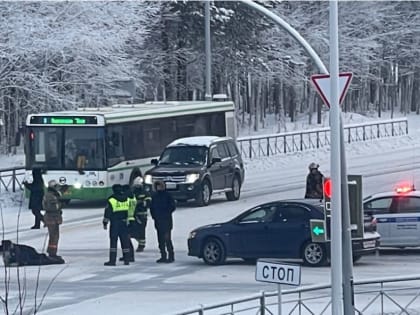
[[279, 229]]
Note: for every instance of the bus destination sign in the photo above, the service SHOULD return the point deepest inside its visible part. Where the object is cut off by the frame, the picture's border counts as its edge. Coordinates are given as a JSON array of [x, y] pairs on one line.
[[64, 120]]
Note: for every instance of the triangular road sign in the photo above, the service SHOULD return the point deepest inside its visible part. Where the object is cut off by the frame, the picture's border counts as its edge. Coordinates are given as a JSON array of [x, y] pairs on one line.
[[322, 85]]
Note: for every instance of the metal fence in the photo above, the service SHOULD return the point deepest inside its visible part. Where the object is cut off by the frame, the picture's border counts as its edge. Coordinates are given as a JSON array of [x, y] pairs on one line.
[[282, 143], [398, 295], [11, 178]]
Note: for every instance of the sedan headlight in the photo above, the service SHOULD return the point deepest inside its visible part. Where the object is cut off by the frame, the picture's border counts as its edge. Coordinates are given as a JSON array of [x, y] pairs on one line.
[[191, 178], [192, 234], [148, 179]]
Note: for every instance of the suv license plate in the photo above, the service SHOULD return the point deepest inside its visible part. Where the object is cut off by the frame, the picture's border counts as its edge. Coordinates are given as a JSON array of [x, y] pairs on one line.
[[170, 185], [369, 244]]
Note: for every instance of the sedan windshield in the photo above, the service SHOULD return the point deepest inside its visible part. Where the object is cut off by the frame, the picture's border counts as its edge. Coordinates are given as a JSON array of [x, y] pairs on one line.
[[184, 155]]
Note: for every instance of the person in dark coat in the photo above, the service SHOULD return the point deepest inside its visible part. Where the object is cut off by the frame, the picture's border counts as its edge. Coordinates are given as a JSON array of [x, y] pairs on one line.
[[116, 213], [314, 180], [36, 190], [23, 255], [161, 208]]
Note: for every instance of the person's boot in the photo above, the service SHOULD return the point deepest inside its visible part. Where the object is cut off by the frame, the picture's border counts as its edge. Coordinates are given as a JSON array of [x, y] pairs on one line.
[[140, 248], [126, 256], [130, 258], [162, 258], [171, 257], [112, 259], [37, 224]]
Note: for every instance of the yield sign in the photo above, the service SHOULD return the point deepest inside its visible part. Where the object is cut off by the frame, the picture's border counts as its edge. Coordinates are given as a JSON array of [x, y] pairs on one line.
[[323, 85]]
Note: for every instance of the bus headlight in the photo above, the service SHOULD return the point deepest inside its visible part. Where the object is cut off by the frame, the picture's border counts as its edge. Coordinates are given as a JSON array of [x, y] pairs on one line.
[[77, 185], [191, 178], [87, 183], [94, 183], [148, 179]]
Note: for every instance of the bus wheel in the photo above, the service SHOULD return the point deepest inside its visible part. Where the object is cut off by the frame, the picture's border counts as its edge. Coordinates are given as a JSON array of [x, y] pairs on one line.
[[204, 194], [134, 173]]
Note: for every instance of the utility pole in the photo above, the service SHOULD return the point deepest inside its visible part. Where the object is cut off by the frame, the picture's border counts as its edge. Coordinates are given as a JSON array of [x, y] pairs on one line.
[[336, 224], [208, 94]]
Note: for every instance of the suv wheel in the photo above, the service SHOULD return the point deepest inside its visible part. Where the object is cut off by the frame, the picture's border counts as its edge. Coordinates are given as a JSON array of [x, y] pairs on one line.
[[204, 194], [236, 189]]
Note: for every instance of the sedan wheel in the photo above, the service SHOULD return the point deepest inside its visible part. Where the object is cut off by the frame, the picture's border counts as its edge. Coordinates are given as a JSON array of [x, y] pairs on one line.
[[214, 252], [314, 254]]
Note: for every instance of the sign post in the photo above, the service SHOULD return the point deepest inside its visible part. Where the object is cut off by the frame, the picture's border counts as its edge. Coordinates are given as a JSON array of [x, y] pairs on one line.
[[277, 272]]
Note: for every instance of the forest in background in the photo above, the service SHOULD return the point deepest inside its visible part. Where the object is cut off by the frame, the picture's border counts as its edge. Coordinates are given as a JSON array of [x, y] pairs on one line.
[[64, 55]]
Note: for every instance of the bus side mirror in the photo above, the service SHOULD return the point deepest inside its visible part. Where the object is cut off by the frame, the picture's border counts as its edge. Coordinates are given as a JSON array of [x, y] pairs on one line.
[[154, 162]]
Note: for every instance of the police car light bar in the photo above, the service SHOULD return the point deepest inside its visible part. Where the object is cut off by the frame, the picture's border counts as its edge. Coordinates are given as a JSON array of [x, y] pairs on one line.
[[405, 189]]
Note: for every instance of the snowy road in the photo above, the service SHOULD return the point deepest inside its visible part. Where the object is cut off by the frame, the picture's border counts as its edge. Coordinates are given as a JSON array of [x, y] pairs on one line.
[[188, 282]]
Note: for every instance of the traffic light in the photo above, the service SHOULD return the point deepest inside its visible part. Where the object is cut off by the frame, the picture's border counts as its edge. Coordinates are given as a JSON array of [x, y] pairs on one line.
[[318, 230], [327, 189]]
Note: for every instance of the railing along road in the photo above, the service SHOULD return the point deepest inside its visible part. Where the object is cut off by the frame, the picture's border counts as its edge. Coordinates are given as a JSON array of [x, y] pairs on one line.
[[11, 178], [282, 143], [383, 296]]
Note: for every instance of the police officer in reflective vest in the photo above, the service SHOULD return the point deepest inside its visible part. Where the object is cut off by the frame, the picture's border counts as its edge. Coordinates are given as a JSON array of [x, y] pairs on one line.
[[131, 221], [116, 212], [142, 207]]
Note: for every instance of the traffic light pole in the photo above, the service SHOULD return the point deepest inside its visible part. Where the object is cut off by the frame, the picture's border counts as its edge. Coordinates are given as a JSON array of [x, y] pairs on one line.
[[348, 294], [336, 225]]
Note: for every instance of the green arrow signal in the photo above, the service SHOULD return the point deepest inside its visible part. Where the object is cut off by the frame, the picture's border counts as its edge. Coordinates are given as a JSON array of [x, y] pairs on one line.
[[318, 231]]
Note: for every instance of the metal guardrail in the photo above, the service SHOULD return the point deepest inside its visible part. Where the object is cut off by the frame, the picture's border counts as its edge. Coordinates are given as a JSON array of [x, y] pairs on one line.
[[13, 177], [282, 143], [396, 295]]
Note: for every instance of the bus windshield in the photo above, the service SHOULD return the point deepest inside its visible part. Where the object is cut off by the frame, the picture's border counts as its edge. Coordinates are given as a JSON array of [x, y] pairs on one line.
[[66, 148], [184, 155]]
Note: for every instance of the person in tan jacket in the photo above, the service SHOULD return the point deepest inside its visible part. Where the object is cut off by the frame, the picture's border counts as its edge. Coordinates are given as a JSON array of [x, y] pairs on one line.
[[53, 206]]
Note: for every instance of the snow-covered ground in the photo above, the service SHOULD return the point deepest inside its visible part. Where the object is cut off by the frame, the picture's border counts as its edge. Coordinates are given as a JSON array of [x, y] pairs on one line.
[[85, 286]]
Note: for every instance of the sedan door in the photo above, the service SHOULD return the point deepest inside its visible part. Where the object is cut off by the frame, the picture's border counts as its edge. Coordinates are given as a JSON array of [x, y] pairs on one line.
[[248, 235], [380, 209], [405, 228], [288, 230]]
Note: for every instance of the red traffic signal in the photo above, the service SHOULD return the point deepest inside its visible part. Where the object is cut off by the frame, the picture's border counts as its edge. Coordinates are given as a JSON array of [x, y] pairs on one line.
[[327, 187]]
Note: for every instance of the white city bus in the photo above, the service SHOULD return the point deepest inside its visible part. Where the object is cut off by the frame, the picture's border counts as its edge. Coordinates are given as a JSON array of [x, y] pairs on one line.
[[91, 149]]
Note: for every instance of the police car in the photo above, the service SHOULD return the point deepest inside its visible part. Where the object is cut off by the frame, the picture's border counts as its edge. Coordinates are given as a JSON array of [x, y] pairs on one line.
[[397, 216]]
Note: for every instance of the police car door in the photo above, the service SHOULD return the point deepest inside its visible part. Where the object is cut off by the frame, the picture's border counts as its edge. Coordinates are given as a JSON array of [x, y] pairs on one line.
[[380, 209], [405, 225]]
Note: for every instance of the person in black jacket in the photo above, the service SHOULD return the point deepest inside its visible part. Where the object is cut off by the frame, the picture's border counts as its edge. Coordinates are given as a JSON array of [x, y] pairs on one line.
[[161, 209], [36, 189], [314, 180], [116, 212]]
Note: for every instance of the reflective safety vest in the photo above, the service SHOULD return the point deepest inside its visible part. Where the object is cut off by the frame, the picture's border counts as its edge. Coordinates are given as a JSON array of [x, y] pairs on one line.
[[131, 209], [119, 206]]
